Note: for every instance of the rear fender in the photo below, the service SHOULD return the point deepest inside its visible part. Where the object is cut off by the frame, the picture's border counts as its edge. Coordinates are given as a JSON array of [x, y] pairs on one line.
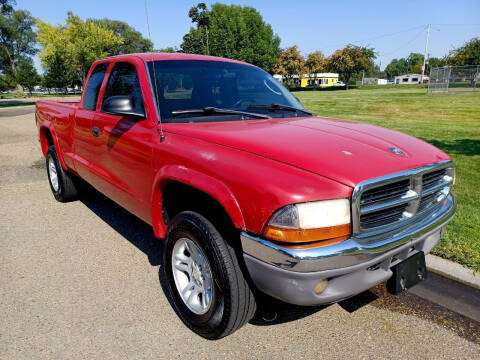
[[200, 181], [48, 126]]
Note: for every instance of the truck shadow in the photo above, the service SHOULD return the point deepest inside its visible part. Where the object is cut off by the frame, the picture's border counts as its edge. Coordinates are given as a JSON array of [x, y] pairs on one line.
[[140, 234], [469, 147], [136, 231], [273, 311]]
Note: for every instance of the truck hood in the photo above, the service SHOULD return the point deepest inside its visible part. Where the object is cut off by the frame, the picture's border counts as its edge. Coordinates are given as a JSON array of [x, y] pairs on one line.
[[345, 151]]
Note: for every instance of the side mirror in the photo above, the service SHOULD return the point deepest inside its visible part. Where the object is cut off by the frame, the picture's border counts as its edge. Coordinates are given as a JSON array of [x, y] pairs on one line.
[[123, 106]]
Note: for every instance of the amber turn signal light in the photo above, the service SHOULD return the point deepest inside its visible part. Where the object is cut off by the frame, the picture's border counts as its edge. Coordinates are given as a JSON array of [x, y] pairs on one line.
[[307, 235]]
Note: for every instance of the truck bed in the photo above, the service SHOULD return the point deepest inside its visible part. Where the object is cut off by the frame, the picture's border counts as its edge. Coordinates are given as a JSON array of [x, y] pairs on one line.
[[59, 117]]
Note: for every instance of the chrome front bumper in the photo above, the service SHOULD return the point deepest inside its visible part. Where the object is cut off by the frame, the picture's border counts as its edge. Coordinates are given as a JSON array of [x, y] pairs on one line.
[[346, 253], [351, 266]]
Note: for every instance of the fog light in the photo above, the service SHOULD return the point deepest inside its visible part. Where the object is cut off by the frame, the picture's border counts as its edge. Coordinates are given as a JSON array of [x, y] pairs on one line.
[[321, 286]]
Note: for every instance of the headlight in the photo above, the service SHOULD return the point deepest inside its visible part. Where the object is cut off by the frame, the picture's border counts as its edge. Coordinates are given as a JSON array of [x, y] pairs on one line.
[[312, 221]]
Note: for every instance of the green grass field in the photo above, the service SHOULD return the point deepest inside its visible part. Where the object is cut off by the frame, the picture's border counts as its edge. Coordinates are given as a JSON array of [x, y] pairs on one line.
[[450, 122]]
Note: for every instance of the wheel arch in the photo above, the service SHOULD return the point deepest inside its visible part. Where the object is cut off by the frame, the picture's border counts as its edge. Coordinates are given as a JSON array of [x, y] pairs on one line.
[[48, 137], [197, 182]]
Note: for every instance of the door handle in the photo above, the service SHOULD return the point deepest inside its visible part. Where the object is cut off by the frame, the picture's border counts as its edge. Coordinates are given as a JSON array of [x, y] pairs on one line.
[[95, 131]]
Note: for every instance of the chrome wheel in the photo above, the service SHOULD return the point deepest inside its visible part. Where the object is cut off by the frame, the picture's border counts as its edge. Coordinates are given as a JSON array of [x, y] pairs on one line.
[[52, 173], [192, 275]]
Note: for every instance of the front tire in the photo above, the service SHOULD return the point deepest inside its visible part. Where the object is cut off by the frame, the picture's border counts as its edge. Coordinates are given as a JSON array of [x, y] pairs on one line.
[[61, 181], [206, 285]]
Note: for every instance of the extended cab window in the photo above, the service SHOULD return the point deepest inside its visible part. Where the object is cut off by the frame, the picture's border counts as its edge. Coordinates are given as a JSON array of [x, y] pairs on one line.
[[124, 81], [93, 86]]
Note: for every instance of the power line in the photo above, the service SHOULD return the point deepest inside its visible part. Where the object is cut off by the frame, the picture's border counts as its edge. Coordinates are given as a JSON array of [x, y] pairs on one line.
[[336, 43], [404, 45], [389, 34], [457, 24]]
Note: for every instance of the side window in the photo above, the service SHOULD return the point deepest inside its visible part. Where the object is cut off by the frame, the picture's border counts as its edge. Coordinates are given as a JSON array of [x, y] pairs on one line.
[[93, 86], [124, 81]]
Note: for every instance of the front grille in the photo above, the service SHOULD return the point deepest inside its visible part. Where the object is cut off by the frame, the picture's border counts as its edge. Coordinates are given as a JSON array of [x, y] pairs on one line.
[[426, 202], [380, 218], [433, 178], [385, 192], [399, 198]]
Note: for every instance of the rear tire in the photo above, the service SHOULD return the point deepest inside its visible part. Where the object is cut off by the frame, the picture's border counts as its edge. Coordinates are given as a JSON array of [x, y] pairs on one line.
[[61, 181], [231, 302]]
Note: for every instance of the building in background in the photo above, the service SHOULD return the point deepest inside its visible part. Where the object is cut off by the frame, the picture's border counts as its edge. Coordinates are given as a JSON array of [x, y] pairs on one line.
[[309, 80], [411, 79], [373, 81], [319, 80]]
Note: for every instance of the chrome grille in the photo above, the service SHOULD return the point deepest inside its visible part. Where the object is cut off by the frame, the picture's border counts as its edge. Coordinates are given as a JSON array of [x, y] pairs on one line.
[[379, 218], [385, 193], [397, 199], [433, 178]]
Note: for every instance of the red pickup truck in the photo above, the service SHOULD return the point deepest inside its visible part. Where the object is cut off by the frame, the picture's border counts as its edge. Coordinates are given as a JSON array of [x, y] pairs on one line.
[[250, 191]]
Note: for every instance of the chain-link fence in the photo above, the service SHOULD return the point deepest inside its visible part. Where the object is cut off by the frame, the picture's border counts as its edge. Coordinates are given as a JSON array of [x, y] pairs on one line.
[[454, 79]]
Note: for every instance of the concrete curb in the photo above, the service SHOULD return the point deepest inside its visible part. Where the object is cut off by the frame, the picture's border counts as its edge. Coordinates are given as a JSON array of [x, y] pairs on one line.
[[453, 271]]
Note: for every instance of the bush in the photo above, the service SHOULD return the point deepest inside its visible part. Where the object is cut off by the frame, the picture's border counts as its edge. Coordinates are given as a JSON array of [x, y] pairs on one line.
[[17, 94]]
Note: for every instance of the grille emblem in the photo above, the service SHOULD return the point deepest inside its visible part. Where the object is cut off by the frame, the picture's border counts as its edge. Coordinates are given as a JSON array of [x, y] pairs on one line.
[[396, 151]]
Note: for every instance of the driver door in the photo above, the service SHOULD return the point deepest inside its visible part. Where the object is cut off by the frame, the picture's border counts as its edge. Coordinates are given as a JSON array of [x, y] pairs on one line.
[[124, 146]]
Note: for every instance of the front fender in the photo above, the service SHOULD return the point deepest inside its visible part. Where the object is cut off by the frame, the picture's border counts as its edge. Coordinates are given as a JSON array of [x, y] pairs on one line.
[[196, 179]]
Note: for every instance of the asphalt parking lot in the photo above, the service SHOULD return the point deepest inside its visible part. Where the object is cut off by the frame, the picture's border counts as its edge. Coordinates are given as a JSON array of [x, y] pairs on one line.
[[82, 280]]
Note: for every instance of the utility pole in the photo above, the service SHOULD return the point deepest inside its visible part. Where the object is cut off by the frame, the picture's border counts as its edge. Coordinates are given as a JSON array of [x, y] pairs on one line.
[[425, 54]]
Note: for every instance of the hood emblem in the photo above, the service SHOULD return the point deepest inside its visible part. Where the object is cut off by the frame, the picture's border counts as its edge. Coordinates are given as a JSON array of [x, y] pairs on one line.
[[396, 151]]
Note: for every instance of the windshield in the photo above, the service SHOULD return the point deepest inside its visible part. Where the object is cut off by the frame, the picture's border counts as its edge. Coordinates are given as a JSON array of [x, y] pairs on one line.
[[197, 84]]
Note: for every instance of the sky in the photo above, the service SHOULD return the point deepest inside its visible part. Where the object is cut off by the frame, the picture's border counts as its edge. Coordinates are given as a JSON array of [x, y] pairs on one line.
[[393, 27]]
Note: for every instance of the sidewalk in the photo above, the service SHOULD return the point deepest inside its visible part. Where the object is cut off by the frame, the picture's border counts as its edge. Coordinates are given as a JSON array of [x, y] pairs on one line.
[[453, 271]]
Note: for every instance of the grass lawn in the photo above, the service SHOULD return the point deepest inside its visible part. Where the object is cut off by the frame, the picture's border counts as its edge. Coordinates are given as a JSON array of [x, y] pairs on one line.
[[450, 122]]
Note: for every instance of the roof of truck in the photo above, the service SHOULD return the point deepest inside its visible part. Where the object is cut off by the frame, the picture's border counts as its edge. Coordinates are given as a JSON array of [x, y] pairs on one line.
[[175, 56]]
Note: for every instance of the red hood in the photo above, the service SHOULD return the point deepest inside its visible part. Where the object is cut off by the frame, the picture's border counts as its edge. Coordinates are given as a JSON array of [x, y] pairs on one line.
[[345, 151]]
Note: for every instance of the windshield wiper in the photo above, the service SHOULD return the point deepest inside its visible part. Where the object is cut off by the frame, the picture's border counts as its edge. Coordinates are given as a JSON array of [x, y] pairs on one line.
[[273, 107], [213, 111]]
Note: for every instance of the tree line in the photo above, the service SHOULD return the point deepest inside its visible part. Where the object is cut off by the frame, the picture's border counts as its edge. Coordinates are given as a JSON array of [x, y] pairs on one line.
[[67, 51], [467, 54]]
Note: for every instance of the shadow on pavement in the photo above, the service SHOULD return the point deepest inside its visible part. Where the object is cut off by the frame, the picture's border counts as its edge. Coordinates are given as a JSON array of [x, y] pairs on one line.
[[139, 233], [270, 311]]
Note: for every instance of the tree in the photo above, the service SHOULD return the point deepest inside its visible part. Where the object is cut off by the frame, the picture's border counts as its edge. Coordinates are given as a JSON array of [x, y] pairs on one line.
[[436, 62], [133, 41], [17, 39], [396, 67], [315, 63], [27, 75], [6, 6], [3, 83], [415, 62], [201, 16], [169, 49], [468, 54], [350, 61], [78, 42], [412, 64], [58, 74], [290, 63], [235, 32]]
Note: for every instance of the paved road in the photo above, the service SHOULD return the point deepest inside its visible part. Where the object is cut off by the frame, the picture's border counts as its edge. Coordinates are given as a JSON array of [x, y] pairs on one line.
[[81, 280]]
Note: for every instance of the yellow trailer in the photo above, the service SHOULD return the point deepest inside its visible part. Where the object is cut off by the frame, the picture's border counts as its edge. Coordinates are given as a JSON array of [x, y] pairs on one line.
[[319, 80]]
